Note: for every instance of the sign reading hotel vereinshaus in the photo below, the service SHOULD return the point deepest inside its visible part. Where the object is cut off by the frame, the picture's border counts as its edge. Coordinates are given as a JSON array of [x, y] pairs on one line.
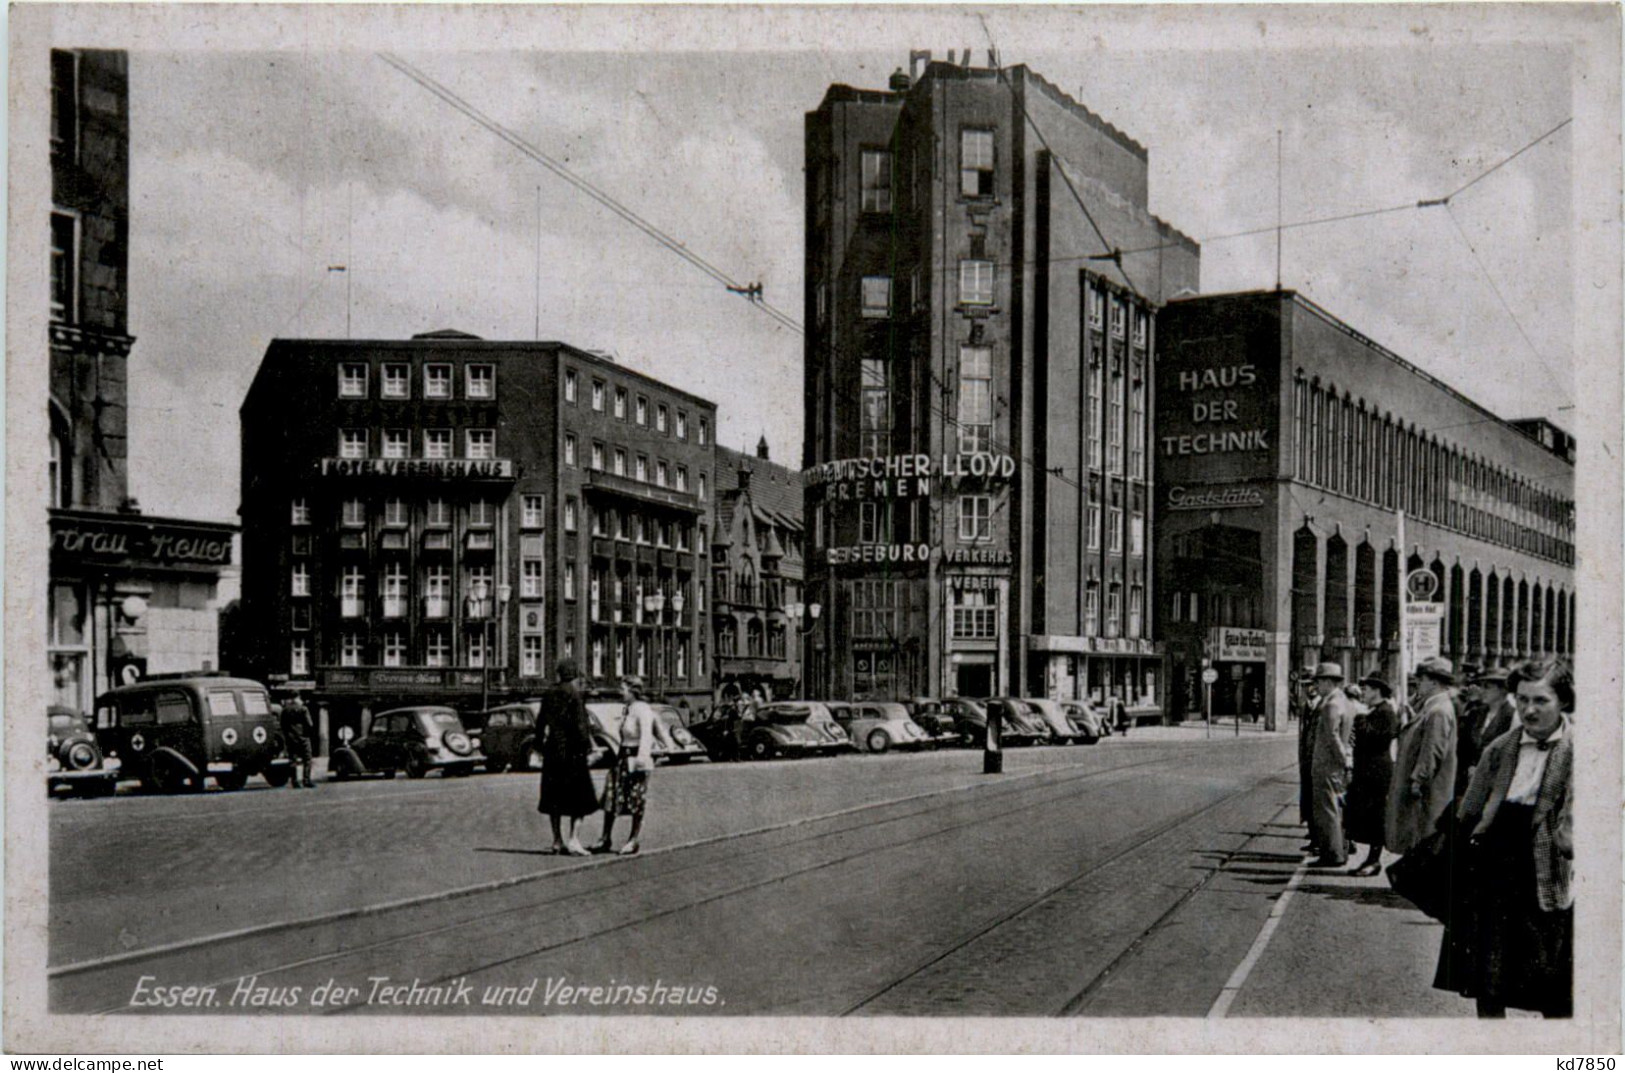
[[904, 476], [490, 469]]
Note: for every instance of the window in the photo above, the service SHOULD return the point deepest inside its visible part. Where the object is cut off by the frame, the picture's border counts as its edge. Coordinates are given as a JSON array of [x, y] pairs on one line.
[[352, 443], [352, 380], [395, 591], [640, 411], [1114, 519], [682, 478], [1142, 328], [299, 583], [620, 461], [662, 415], [394, 650], [704, 432], [570, 514], [874, 415], [436, 649], [868, 523], [662, 473], [530, 577], [570, 581], [598, 395], [299, 510], [620, 403], [64, 267], [300, 544], [396, 378], [437, 381], [65, 103], [975, 517], [397, 443], [1119, 318], [437, 592], [1114, 427], [300, 619], [569, 449], [975, 282], [598, 523], [1094, 527], [975, 399], [1136, 535], [395, 513], [874, 608], [682, 426], [1091, 610], [481, 514], [1114, 604], [481, 381], [1097, 309], [976, 614], [352, 593], [299, 657], [476, 649], [877, 180], [976, 163], [597, 457], [533, 512], [877, 296], [437, 443], [570, 386], [530, 656], [595, 595], [703, 489], [1136, 603], [439, 514], [353, 512], [482, 443], [598, 657], [640, 469]]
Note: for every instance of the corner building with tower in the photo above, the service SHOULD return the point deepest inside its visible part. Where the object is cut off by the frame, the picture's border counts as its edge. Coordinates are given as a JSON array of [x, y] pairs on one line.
[[978, 387]]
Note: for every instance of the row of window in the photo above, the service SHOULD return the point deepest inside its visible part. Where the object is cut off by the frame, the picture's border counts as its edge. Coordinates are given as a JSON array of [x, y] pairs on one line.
[[976, 288], [976, 171], [433, 513], [618, 599], [663, 418], [395, 380], [624, 464], [478, 443], [1346, 447], [762, 640]]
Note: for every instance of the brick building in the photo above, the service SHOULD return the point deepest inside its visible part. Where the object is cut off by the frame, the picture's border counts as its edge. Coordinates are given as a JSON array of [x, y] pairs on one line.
[[757, 574], [444, 518], [977, 390], [128, 593], [1286, 445]]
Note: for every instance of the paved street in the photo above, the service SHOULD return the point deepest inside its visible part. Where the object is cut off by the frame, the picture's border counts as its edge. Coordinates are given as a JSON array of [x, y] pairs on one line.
[[1128, 878]]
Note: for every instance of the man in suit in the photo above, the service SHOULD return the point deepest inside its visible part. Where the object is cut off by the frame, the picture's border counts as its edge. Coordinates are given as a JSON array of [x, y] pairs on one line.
[[1469, 704], [1425, 767], [1307, 702], [1500, 714], [1331, 761]]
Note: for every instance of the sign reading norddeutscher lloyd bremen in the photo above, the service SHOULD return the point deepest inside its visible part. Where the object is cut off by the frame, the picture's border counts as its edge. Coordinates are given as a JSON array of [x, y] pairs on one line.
[[904, 476]]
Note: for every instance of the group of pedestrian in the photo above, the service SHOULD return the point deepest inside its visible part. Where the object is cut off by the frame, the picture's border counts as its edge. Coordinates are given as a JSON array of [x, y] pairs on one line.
[[564, 739], [1476, 776]]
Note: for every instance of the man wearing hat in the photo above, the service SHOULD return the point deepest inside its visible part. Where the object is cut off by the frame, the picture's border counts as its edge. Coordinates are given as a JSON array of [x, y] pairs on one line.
[[1424, 782], [1330, 762], [1469, 702], [564, 738], [1499, 715], [1308, 701], [1365, 811]]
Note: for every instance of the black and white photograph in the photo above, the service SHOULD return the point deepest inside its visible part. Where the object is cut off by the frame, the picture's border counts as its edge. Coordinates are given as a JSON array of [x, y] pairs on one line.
[[1072, 529]]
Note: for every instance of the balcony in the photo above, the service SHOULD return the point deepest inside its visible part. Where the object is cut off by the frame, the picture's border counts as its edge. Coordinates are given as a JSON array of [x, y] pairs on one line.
[[604, 484]]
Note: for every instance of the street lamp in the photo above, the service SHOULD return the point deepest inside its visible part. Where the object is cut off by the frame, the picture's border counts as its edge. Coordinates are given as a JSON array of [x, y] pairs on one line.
[[655, 604], [794, 611], [478, 595]]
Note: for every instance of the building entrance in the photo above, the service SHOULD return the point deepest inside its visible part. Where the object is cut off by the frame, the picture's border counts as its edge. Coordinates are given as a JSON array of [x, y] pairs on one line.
[[974, 680]]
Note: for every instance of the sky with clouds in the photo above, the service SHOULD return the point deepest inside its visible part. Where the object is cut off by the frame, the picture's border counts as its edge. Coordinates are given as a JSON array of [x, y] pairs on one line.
[[253, 169]]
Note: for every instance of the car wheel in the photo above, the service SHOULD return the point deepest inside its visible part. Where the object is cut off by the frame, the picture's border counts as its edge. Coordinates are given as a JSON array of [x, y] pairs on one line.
[[878, 741], [165, 777], [235, 779], [416, 766], [967, 738], [762, 749], [278, 776]]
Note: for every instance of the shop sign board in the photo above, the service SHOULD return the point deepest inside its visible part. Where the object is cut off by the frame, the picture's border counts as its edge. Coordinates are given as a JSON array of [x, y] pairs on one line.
[[879, 553], [476, 469], [905, 476], [136, 542], [1423, 625], [1214, 498], [1230, 644]]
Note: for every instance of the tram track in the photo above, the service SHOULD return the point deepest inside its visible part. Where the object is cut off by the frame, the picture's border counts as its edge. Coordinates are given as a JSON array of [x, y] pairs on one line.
[[1037, 793]]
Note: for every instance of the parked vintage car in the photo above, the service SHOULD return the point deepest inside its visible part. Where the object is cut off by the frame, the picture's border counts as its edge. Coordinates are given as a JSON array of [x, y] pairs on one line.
[[73, 760], [1089, 721], [823, 720], [672, 741], [935, 718], [507, 737], [772, 730], [177, 733], [963, 720], [1061, 729], [1018, 725], [415, 740], [878, 726]]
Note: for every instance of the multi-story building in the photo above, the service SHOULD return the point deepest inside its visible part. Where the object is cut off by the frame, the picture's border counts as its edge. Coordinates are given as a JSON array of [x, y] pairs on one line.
[[128, 594], [1287, 445], [444, 518], [757, 605], [977, 390]]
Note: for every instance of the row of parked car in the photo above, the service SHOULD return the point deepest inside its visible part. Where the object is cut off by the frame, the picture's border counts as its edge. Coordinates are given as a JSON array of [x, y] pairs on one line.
[[175, 735]]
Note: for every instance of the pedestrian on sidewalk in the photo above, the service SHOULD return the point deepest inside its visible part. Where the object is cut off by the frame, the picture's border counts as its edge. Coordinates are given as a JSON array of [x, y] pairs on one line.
[[1498, 716], [1470, 707], [1330, 762], [566, 741], [1424, 779], [297, 730], [626, 790], [1519, 817], [1308, 703], [1375, 729]]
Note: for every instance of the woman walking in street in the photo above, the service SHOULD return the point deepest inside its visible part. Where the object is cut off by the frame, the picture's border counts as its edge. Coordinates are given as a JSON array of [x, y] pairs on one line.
[[1518, 817], [1374, 731], [566, 786], [626, 790]]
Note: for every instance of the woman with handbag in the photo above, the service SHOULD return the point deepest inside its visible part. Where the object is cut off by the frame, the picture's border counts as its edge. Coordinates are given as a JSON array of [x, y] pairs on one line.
[[1518, 817], [627, 788]]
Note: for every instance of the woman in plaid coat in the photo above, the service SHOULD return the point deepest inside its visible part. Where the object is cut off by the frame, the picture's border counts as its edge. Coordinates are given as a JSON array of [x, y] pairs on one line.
[[1518, 816]]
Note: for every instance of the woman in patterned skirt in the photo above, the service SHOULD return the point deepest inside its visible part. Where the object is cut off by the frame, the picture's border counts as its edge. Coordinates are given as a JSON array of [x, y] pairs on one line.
[[627, 788]]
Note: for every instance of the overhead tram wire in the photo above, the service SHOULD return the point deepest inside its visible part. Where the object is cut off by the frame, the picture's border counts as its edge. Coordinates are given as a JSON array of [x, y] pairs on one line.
[[586, 186]]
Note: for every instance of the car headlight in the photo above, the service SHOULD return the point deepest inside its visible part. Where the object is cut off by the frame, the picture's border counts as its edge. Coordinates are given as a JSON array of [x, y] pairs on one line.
[[457, 742], [82, 756]]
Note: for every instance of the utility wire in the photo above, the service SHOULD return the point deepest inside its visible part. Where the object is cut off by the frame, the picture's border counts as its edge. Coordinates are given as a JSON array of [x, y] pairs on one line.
[[1488, 171], [596, 193]]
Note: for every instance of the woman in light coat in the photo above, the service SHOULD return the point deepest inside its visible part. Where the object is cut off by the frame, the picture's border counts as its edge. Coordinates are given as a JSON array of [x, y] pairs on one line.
[[1424, 779], [627, 788]]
